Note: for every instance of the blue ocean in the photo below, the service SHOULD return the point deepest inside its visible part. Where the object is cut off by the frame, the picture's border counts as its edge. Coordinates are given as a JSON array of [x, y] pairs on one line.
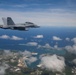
[[28, 36], [47, 32]]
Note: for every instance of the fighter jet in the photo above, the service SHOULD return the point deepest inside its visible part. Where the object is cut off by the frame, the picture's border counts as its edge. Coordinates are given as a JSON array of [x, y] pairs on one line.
[[9, 24]]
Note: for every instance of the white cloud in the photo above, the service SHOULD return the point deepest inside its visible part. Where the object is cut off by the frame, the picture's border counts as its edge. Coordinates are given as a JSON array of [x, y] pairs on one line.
[[49, 17], [32, 44], [74, 40], [2, 70], [31, 60], [56, 47], [26, 53], [67, 39], [74, 61], [56, 38], [39, 36], [71, 49], [8, 53], [3, 67], [46, 46], [53, 63], [11, 38], [27, 56], [16, 38], [4, 37]]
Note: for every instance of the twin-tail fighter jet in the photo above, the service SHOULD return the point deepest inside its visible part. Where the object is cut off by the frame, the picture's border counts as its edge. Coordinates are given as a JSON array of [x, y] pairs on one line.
[[9, 24]]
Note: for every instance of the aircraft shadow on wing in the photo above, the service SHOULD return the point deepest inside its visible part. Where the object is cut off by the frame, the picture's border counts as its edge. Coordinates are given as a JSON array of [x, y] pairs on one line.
[[9, 24]]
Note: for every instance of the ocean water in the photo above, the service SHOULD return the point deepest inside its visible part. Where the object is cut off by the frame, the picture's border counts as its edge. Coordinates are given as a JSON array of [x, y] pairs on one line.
[[28, 36]]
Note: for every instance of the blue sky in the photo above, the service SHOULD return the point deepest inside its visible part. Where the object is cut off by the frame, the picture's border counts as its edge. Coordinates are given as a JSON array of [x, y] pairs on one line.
[[38, 4], [42, 12]]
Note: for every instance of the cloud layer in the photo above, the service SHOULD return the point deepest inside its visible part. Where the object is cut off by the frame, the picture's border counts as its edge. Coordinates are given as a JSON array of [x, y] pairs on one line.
[[50, 17], [3, 67], [4, 37], [67, 39], [32, 44], [74, 61], [71, 49], [56, 38], [16, 38], [28, 57], [11, 38], [31, 60], [46, 46], [39, 36], [53, 63], [74, 40]]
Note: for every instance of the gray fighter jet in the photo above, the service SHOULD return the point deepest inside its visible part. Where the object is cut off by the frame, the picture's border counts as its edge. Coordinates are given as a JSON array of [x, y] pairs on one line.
[[9, 24]]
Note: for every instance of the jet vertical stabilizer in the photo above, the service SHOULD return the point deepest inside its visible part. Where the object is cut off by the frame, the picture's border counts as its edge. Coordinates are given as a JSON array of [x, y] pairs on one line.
[[5, 23], [10, 21]]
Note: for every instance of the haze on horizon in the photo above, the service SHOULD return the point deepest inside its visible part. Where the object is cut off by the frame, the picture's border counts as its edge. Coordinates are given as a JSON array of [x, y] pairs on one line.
[[41, 12]]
